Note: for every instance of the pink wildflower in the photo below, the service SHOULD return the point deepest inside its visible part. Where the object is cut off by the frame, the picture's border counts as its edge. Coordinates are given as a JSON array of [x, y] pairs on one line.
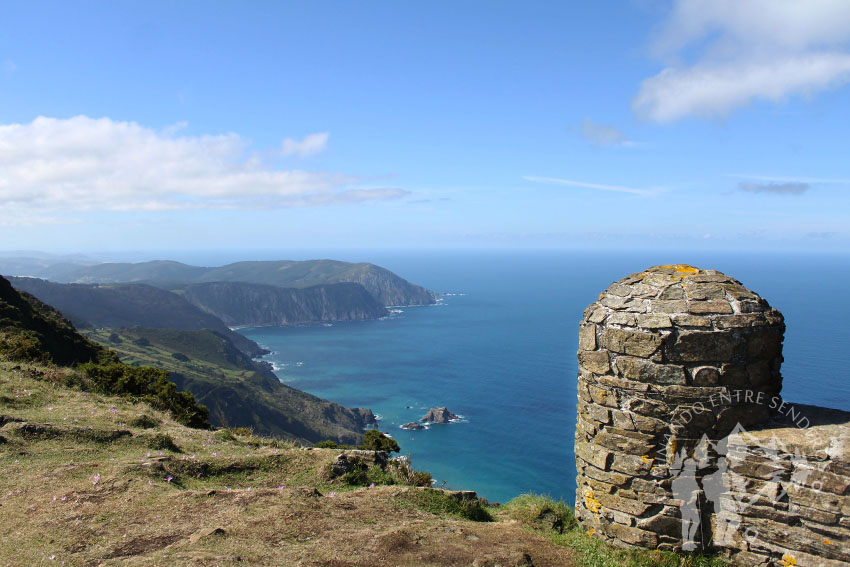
[[95, 479], [169, 478]]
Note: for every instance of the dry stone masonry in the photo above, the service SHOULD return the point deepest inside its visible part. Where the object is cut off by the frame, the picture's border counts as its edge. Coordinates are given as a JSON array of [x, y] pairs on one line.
[[677, 365]]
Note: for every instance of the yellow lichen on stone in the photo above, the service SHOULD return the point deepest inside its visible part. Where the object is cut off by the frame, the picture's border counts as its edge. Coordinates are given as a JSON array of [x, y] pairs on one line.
[[590, 501], [646, 459], [788, 560], [591, 531], [683, 269]]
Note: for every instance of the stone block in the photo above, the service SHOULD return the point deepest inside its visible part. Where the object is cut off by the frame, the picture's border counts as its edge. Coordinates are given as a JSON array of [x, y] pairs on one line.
[[662, 524], [632, 386], [603, 396], [630, 464], [625, 441], [626, 505], [765, 344], [814, 477], [594, 361], [633, 536], [654, 321], [611, 477], [587, 337], [621, 318], [597, 315], [686, 320], [672, 292], [599, 414], [709, 306], [705, 291], [672, 306], [815, 515], [619, 290], [705, 376], [648, 407], [825, 501], [593, 455], [702, 346], [635, 343], [637, 422], [640, 369], [740, 321]]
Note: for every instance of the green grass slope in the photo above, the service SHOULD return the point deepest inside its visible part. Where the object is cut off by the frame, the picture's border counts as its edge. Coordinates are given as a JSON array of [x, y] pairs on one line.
[[238, 391], [129, 305], [29, 329]]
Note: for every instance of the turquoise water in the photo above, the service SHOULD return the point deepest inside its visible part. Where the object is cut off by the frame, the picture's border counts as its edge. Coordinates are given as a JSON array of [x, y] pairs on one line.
[[502, 354]]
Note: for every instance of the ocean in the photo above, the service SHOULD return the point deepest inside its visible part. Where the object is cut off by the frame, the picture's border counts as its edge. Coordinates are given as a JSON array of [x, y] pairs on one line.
[[500, 350]]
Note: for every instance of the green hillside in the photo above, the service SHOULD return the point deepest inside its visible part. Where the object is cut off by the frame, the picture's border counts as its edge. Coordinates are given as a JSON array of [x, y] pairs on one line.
[[31, 330], [129, 305], [238, 391]]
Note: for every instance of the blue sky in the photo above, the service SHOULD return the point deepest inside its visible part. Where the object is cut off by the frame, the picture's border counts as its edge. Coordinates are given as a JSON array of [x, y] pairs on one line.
[[716, 124]]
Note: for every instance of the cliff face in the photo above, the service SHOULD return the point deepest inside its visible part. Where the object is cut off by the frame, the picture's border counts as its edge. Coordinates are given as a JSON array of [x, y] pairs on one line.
[[238, 303], [129, 305]]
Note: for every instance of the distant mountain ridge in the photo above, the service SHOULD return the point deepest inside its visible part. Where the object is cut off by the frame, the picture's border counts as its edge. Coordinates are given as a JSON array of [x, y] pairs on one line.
[[385, 286]]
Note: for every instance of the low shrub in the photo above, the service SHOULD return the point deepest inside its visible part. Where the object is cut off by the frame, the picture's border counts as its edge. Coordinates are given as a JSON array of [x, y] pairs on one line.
[[374, 440], [144, 421], [541, 512], [404, 473], [443, 503], [147, 384], [163, 442]]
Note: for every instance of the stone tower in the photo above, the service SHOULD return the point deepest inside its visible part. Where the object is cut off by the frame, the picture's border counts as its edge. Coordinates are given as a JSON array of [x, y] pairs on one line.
[[671, 361]]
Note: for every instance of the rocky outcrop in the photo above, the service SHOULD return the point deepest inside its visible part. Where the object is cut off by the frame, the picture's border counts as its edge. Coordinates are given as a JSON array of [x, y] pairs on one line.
[[413, 426], [365, 417], [678, 416], [439, 415], [247, 304]]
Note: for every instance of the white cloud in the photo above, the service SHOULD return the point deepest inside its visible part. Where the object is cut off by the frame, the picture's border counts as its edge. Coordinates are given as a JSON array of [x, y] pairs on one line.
[[86, 164], [602, 134], [774, 188], [808, 180], [616, 188], [745, 50], [310, 145]]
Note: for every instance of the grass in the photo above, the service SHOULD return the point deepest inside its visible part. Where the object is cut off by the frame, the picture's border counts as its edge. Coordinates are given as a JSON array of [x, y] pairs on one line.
[[556, 520], [96, 483], [443, 503]]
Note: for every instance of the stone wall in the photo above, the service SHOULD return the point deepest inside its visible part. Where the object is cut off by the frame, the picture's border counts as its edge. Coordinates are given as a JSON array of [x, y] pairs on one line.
[[675, 362], [786, 494]]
